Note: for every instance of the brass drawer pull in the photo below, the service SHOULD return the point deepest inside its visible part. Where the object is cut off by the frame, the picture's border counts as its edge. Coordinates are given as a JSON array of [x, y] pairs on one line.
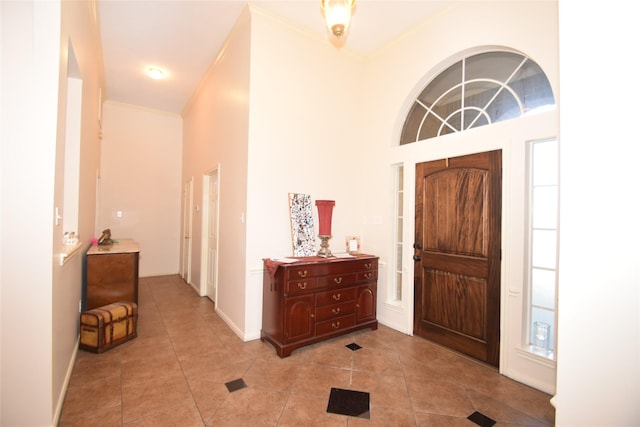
[[335, 325], [337, 280], [302, 273], [302, 286], [336, 297], [368, 265], [368, 275], [335, 310]]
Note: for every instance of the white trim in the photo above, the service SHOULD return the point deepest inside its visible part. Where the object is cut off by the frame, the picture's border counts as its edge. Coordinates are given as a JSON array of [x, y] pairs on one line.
[[65, 385]]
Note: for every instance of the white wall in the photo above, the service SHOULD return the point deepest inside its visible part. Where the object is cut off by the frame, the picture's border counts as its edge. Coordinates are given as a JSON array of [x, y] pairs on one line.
[[140, 191], [399, 72], [599, 296], [305, 137], [26, 29], [216, 123], [40, 297], [302, 138]]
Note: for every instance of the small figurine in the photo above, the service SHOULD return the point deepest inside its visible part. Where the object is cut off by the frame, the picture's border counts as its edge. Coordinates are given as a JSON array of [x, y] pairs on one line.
[[105, 239]]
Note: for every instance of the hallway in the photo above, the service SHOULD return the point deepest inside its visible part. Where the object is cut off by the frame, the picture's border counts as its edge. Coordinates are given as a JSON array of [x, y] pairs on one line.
[[187, 368]]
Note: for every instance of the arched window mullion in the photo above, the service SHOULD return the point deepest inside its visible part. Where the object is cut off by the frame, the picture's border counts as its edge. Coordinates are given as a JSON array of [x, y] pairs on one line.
[[461, 111], [424, 118], [446, 123], [463, 93], [503, 86], [532, 89], [431, 111]]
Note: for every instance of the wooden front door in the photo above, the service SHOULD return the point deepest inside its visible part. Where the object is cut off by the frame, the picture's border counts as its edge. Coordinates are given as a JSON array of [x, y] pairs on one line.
[[457, 253]]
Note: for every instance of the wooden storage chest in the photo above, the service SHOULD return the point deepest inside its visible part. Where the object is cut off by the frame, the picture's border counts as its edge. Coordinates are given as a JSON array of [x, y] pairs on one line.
[[105, 327]]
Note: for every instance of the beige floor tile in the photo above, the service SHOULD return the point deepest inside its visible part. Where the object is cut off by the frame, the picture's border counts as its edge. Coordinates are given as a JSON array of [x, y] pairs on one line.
[[318, 380], [148, 398], [208, 396], [332, 354], [148, 328], [380, 361], [85, 398], [514, 396], [223, 373], [141, 347], [250, 350], [425, 419], [388, 391], [272, 375], [109, 416], [174, 374], [201, 364], [250, 407], [309, 411], [181, 327], [87, 370], [501, 412], [385, 417], [203, 341], [153, 368], [439, 397], [185, 415], [113, 354]]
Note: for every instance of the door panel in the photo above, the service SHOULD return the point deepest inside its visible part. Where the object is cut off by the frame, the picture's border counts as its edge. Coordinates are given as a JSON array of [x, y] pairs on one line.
[[299, 318], [457, 273], [187, 212], [366, 304], [212, 236]]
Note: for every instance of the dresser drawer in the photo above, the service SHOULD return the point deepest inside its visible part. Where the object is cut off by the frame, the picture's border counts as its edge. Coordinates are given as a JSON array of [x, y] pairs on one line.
[[350, 266], [337, 280], [336, 324], [298, 286], [371, 264], [301, 272], [332, 311], [336, 296], [368, 275]]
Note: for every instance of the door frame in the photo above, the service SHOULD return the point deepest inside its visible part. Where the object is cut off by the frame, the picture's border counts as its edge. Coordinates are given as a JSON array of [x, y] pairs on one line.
[[511, 137], [187, 231], [204, 265]]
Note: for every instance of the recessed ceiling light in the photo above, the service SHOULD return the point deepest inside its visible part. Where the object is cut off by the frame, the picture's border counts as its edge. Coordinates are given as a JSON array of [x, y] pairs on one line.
[[156, 73]]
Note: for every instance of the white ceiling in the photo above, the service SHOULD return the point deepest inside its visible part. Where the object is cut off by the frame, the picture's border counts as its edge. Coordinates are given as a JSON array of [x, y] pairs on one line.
[[185, 36]]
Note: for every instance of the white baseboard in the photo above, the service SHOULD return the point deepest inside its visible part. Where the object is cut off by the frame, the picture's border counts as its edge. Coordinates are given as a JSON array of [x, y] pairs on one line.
[[67, 378], [236, 330]]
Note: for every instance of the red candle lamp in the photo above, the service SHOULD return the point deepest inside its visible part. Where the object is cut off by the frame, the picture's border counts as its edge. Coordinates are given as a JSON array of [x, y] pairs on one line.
[[325, 211]]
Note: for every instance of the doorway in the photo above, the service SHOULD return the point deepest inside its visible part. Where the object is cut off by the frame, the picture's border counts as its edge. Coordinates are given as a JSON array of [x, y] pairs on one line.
[[457, 253], [210, 227], [187, 209]]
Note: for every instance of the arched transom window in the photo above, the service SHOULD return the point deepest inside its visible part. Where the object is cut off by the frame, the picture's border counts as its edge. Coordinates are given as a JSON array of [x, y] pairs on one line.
[[476, 91]]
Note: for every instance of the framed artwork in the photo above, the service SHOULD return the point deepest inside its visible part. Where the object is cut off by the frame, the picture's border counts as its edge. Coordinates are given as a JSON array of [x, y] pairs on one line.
[[302, 231], [352, 245]]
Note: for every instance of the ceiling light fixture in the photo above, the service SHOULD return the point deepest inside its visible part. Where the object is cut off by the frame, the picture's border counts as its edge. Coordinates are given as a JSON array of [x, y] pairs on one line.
[[156, 73], [337, 14]]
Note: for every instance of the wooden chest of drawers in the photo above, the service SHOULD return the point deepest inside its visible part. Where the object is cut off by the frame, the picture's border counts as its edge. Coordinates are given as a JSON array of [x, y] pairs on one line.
[[111, 274], [315, 298]]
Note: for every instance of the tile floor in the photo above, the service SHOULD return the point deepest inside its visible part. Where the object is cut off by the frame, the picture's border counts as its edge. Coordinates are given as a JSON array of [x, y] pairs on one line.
[[175, 373]]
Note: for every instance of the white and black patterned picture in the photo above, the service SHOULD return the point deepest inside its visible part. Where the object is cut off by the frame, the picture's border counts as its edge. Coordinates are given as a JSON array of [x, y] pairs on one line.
[[302, 231]]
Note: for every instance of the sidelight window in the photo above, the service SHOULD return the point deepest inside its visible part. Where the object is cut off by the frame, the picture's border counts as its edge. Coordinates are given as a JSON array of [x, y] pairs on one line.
[[398, 230], [542, 245]]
